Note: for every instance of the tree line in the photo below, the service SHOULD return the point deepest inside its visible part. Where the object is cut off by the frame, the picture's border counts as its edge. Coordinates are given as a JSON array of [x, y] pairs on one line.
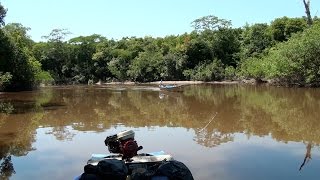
[[285, 51]]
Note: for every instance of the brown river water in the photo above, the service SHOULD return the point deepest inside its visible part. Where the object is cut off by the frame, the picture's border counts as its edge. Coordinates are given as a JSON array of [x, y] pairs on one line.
[[223, 132]]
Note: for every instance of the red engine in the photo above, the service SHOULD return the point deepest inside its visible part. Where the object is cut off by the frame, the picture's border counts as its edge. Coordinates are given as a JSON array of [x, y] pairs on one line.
[[123, 143], [129, 148]]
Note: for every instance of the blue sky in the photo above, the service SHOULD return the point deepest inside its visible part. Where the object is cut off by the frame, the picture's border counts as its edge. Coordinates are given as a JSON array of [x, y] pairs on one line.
[[157, 18]]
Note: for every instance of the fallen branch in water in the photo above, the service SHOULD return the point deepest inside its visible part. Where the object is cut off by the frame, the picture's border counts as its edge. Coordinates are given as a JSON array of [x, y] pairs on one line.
[[209, 122]]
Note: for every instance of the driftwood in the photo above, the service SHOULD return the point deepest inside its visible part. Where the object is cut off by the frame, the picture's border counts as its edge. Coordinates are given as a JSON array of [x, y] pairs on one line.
[[209, 122]]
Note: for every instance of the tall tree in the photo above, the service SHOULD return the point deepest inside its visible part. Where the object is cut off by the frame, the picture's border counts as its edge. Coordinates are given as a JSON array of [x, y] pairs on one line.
[[15, 61], [210, 23], [56, 55], [19, 34], [307, 7], [3, 13], [81, 66]]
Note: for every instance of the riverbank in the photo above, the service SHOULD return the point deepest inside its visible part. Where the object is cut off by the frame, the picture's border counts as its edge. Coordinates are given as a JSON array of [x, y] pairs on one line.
[[182, 83], [251, 81], [170, 82]]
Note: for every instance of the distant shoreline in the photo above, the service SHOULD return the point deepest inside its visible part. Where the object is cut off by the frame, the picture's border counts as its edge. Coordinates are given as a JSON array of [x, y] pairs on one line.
[[181, 83], [170, 82]]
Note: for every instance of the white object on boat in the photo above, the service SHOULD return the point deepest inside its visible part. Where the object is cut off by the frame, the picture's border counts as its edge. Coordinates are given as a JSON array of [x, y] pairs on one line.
[[125, 135]]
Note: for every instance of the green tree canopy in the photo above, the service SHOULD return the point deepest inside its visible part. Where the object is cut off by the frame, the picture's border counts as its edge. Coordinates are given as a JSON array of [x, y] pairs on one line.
[[283, 28], [294, 62], [15, 61], [56, 54], [255, 39], [210, 22], [19, 34]]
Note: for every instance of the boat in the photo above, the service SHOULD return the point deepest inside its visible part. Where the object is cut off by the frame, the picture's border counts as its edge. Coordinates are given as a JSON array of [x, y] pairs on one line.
[[124, 163], [167, 87]]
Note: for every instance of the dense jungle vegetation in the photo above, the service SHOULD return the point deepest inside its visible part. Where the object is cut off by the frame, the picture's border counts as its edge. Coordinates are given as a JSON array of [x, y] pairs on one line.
[[285, 51]]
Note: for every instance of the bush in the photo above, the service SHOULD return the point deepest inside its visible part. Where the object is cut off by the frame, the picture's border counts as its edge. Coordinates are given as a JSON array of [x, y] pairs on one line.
[[296, 61], [4, 79], [206, 72], [230, 73]]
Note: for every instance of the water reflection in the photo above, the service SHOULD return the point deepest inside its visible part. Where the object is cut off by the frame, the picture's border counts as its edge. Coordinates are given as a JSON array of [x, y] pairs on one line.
[[6, 168], [287, 115], [307, 157], [6, 108]]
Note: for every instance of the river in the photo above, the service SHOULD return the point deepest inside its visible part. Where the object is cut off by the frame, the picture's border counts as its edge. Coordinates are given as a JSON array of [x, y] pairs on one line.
[[223, 132]]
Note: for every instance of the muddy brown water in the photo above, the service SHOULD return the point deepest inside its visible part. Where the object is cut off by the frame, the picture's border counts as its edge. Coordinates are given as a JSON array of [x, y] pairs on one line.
[[224, 132]]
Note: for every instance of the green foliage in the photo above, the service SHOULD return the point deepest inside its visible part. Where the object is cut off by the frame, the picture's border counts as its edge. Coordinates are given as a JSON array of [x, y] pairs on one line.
[[226, 46], [18, 33], [148, 66], [55, 55], [252, 68], [255, 39], [214, 51], [283, 28], [80, 63], [210, 23], [3, 13], [57, 35], [15, 61], [44, 77], [230, 73], [40, 76], [4, 79], [206, 72], [197, 52], [173, 66], [293, 62], [203, 50], [118, 67]]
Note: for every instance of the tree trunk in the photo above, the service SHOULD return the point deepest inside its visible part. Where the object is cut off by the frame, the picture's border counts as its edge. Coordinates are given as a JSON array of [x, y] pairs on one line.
[[307, 7]]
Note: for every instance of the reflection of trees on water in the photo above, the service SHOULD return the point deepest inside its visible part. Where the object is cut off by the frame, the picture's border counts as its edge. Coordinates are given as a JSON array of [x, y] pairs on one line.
[[18, 127], [212, 138], [307, 157], [8, 149], [6, 168], [286, 114], [13, 144], [209, 137], [6, 165], [62, 133], [6, 108]]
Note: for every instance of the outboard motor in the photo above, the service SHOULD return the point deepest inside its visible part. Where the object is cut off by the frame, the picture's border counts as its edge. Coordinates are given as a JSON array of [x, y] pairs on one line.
[[123, 143]]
